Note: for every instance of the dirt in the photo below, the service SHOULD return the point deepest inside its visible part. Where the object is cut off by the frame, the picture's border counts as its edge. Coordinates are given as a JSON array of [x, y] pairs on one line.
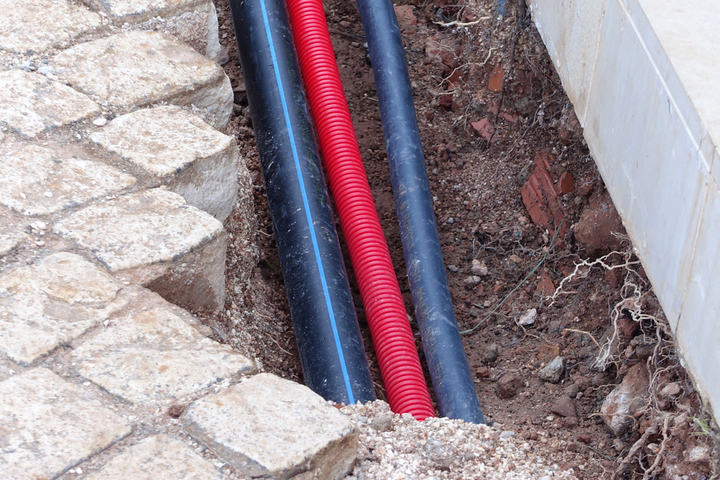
[[519, 204]]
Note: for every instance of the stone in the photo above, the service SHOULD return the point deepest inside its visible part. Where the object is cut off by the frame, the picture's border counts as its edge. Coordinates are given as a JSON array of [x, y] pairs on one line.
[[563, 406], [51, 303], [192, 21], [528, 318], [472, 280], [49, 424], [158, 457], [484, 128], [509, 385], [177, 149], [496, 79], [138, 68], [566, 183], [10, 238], [407, 21], [598, 223], [491, 353], [41, 181], [270, 427], [151, 355], [155, 239], [545, 285], [32, 26], [552, 372], [541, 198], [31, 104], [671, 390], [619, 407], [479, 268]]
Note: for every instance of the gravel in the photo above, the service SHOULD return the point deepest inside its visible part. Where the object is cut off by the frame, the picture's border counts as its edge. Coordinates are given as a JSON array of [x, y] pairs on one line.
[[440, 449]]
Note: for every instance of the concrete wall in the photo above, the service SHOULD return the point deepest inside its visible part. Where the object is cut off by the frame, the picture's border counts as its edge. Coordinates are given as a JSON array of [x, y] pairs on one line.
[[642, 75]]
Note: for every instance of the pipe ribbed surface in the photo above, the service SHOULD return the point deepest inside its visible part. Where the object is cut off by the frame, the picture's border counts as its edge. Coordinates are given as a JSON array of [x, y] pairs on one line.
[[389, 327], [442, 345]]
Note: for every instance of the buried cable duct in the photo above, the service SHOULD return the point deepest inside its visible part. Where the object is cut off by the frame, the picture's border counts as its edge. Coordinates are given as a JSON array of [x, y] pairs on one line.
[[328, 337], [453, 385], [384, 306]]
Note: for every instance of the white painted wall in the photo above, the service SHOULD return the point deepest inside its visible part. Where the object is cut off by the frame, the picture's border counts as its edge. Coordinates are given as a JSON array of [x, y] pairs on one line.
[[644, 77]]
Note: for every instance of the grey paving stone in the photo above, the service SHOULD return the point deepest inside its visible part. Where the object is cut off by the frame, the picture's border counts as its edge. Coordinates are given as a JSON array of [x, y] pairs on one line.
[[267, 426], [155, 239], [47, 425], [175, 148], [40, 181], [52, 302], [152, 355], [37, 25], [30, 103], [192, 21], [139, 68], [159, 457]]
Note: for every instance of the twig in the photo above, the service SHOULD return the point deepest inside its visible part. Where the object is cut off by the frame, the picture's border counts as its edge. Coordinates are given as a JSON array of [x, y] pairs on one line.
[[584, 333], [457, 23]]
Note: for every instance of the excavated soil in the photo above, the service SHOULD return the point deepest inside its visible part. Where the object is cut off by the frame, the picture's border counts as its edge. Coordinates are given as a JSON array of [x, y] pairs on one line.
[[519, 204]]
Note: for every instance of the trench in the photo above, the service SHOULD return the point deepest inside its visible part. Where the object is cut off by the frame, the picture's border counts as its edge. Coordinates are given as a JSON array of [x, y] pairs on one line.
[[489, 105]]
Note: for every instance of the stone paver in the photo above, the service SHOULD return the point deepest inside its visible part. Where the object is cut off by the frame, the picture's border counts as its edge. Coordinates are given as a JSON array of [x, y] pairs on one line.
[[267, 426], [159, 457], [175, 148], [152, 356], [154, 238], [52, 302], [192, 21], [9, 239], [30, 103], [47, 425], [40, 181], [138, 68], [37, 25]]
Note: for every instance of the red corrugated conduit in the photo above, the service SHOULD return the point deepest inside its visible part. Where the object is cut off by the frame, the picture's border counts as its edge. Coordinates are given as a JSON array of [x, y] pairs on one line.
[[391, 333]]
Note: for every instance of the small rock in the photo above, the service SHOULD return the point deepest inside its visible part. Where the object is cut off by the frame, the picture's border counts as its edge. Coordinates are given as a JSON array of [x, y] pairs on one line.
[[698, 454], [566, 183], [672, 389], [495, 82], [572, 390], [453, 268], [598, 221], [620, 405], [406, 18], [515, 259], [479, 268], [382, 423], [491, 353], [585, 438], [472, 280], [563, 406], [545, 285], [552, 372], [484, 128], [506, 434], [100, 121], [528, 318], [482, 372], [509, 385]]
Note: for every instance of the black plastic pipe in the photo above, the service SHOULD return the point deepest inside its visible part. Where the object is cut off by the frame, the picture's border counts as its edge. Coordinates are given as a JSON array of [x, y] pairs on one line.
[[449, 371], [326, 328]]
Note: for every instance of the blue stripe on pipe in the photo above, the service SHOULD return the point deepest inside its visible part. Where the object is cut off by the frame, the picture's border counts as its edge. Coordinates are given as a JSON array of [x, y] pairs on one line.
[[306, 204]]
